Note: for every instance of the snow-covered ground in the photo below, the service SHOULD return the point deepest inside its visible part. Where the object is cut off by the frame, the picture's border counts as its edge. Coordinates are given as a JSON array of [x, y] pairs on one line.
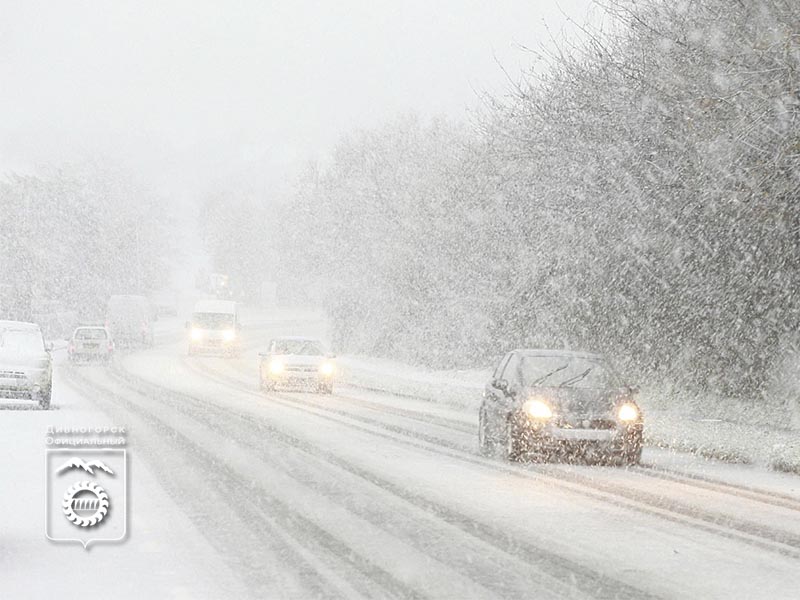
[[163, 555], [375, 491]]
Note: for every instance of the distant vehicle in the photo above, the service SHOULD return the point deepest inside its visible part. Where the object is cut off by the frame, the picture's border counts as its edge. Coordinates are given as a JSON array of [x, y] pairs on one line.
[[296, 362], [26, 365], [219, 284], [215, 328], [90, 343], [129, 319], [165, 304], [547, 403]]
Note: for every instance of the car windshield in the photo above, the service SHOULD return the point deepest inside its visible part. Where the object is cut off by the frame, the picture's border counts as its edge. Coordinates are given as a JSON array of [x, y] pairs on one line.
[[303, 347], [565, 371], [21, 342], [213, 320], [90, 334]]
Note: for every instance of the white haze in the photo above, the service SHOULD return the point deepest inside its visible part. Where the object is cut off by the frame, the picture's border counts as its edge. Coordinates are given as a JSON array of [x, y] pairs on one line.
[[195, 92]]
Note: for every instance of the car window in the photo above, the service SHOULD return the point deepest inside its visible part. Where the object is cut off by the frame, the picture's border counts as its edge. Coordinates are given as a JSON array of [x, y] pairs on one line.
[[90, 334], [566, 371], [301, 347], [511, 371], [213, 320], [499, 369]]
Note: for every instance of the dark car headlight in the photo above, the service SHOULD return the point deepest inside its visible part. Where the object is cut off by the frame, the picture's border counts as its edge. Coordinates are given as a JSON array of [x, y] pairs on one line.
[[628, 412]]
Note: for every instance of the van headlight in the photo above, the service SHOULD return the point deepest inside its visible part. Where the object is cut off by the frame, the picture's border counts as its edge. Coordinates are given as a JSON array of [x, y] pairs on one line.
[[537, 409], [326, 369], [628, 412], [228, 335], [197, 334]]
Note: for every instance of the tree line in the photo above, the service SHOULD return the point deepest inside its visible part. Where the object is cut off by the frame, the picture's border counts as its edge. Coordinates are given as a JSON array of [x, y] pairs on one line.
[[635, 193], [74, 235]]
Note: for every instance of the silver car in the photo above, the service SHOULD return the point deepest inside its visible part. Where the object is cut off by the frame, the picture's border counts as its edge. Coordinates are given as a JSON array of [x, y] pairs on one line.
[[90, 344], [26, 366], [297, 362]]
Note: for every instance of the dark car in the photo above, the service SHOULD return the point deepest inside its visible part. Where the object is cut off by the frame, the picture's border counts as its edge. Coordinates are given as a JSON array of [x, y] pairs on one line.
[[543, 404]]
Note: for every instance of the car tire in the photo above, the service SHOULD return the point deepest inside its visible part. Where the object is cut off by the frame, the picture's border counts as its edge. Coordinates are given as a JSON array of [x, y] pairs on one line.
[[486, 445], [267, 386], [511, 446], [324, 388], [632, 457], [44, 399], [631, 454]]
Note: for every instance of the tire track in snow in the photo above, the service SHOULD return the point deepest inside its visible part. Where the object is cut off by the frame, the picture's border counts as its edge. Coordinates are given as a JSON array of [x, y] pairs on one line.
[[264, 517], [782, 542], [571, 573]]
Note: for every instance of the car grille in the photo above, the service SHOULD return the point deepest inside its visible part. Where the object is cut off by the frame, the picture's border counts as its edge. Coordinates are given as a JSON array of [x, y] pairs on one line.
[[15, 392], [588, 423], [12, 375], [301, 369]]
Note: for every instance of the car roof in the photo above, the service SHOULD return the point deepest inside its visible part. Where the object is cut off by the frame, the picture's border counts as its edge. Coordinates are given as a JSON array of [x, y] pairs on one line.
[[533, 352], [19, 326]]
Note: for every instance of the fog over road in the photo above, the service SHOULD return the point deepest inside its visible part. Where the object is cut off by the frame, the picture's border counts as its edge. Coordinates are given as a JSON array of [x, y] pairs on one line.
[[366, 494]]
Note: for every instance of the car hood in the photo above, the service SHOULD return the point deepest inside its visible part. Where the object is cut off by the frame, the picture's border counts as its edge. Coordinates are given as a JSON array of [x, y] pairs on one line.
[[578, 402], [300, 360]]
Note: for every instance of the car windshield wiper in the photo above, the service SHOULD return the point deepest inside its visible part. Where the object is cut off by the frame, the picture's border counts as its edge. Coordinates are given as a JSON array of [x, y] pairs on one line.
[[539, 380], [575, 379]]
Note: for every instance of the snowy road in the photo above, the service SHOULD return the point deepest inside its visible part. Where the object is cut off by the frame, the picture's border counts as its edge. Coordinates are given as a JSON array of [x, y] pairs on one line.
[[365, 494]]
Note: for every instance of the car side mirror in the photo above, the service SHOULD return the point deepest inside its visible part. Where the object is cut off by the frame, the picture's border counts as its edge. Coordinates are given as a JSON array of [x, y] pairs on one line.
[[632, 389], [501, 384]]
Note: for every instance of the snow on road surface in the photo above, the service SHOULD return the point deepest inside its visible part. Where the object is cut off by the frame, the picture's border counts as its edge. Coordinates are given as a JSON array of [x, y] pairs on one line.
[[240, 493]]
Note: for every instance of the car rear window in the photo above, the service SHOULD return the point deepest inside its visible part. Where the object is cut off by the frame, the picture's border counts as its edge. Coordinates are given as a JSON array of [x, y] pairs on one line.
[[90, 334]]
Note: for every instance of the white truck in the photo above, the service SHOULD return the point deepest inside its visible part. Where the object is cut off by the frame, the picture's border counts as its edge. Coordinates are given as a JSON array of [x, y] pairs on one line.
[[215, 328]]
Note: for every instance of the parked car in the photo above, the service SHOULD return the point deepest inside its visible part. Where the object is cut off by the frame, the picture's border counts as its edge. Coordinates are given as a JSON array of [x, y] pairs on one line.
[[26, 364], [90, 343], [215, 328], [541, 404], [129, 319], [296, 362]]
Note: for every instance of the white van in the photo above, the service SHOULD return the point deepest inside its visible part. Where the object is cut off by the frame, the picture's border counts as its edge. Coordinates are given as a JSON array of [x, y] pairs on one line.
[[214, 328]]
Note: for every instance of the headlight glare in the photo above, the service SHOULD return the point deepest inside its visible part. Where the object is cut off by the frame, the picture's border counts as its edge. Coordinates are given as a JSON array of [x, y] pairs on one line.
[[275, 367], [628, 412], [326, 368], [538, 409], [197, 334]]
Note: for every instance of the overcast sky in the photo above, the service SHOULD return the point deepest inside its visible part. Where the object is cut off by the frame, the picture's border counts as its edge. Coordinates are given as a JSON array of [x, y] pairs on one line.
[[189, 93]]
